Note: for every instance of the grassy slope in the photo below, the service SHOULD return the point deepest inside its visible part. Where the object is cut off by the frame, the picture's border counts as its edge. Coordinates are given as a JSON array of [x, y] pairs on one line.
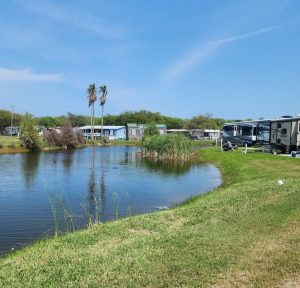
[[244, 234]]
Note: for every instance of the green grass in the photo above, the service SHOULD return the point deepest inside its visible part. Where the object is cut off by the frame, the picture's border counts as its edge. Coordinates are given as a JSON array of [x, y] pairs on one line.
[[8, 140], [244, 234]]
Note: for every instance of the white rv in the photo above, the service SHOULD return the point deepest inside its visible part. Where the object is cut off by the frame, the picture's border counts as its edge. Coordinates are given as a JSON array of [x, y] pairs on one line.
[[285, 134]]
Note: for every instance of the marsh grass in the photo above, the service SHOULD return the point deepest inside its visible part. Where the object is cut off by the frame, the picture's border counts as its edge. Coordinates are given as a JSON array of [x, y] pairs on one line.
[[175, 148], [246, 233]]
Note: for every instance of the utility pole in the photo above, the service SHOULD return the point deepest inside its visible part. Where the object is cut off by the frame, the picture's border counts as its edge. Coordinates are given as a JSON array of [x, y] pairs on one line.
[[12, 119]]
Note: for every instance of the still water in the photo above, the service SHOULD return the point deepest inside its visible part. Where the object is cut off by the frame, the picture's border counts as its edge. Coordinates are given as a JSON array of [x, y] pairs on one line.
[[100, 183]]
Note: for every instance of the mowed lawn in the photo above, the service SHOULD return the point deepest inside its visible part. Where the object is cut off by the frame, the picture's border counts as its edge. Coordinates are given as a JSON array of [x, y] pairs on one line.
[[244, 234]]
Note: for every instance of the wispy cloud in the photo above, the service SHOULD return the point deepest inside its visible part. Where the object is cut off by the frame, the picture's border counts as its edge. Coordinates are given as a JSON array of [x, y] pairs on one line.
[[201, 53], [27, 75], [72, 17]]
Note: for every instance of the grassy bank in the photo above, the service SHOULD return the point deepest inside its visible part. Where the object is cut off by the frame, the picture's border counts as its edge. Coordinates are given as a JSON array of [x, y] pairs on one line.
[[10, 144], [244, 234]]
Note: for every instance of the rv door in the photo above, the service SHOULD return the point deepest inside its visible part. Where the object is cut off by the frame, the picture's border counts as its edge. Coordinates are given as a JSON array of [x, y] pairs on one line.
[[284, 133], [235, 130], [298, 133]]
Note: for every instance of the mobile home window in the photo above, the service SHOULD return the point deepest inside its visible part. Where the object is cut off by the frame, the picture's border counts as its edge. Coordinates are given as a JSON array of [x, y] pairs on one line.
[[278, 125]]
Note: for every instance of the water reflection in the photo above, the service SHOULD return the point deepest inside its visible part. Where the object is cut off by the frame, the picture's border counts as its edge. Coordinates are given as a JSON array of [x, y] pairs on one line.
[[30, 164], [68, 160], [98, 183], [168, 168], [96, 197]]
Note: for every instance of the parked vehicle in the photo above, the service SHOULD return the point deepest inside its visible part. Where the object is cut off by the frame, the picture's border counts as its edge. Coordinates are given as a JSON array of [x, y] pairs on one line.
[[285, 134], [240, 133], [281, 134]]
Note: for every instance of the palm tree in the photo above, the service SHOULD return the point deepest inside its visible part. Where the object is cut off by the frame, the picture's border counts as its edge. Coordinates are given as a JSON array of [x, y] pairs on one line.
[[92, 97], [103, 90]]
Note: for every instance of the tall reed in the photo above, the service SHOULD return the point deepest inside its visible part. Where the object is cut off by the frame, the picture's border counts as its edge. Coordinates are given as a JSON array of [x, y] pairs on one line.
[[174, 147]]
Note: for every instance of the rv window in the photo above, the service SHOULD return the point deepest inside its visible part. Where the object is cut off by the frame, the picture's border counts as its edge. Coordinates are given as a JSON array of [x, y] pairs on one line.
[[284, 131], [254, 131], [299, 126], [278, 125], [246, 131], [228, 128]]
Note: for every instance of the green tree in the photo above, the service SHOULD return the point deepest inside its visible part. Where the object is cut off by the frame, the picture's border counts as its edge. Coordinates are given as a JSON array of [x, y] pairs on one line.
[[103, 90], [92, 98], [5, 119], [151, 129], [29, 133]]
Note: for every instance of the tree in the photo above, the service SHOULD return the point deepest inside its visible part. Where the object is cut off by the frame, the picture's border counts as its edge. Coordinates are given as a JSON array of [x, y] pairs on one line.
[[92, 98], [150, 130], [68, 135], [5, 119], [29, 134], [103, 90]]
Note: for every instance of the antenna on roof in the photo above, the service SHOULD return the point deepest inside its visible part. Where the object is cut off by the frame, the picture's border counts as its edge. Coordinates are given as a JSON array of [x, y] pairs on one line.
[[12, 119]]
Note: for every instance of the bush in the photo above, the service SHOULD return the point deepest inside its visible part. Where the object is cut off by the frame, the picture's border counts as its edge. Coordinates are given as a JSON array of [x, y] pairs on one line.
[[53, 138], [29, 134], [1, 145], [80, 137], [67, 137]]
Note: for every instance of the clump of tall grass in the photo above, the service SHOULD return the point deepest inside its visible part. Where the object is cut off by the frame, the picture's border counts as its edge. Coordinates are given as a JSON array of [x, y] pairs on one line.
[[168, 147]]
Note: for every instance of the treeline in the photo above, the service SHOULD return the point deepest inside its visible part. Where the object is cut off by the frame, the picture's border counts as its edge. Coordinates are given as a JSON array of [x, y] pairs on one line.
[[141, 117]]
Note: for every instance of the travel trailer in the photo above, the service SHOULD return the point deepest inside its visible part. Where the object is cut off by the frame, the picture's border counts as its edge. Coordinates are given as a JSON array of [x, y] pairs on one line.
[[279, 134], [285, 134]]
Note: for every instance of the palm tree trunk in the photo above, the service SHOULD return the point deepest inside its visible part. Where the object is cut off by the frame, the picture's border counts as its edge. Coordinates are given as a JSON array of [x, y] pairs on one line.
[[93, 121], [91, 133], [102, 123]]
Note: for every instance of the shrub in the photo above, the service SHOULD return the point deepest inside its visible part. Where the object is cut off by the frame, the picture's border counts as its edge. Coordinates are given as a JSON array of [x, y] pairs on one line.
[[1, 145], [80, 137], [67, 137], [29, 134], [53, 138]]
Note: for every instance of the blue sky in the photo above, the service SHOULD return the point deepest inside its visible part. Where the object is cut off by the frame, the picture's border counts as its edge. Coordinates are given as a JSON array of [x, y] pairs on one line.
[[233, 58]]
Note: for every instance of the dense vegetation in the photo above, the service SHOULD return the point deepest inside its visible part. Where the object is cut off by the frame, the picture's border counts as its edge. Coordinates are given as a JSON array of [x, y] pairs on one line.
[[29, 135], [167, 147], [244, 234], [66, 138], [6, 117], [140, 117]]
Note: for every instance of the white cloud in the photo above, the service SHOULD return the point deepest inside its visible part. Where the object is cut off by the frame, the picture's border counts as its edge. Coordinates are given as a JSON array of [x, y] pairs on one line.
[[72, 17], [201, 53], [27, 75]]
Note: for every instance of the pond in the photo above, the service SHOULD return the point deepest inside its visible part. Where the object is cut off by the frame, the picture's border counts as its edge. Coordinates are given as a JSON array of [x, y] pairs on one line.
[[81, 186]]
